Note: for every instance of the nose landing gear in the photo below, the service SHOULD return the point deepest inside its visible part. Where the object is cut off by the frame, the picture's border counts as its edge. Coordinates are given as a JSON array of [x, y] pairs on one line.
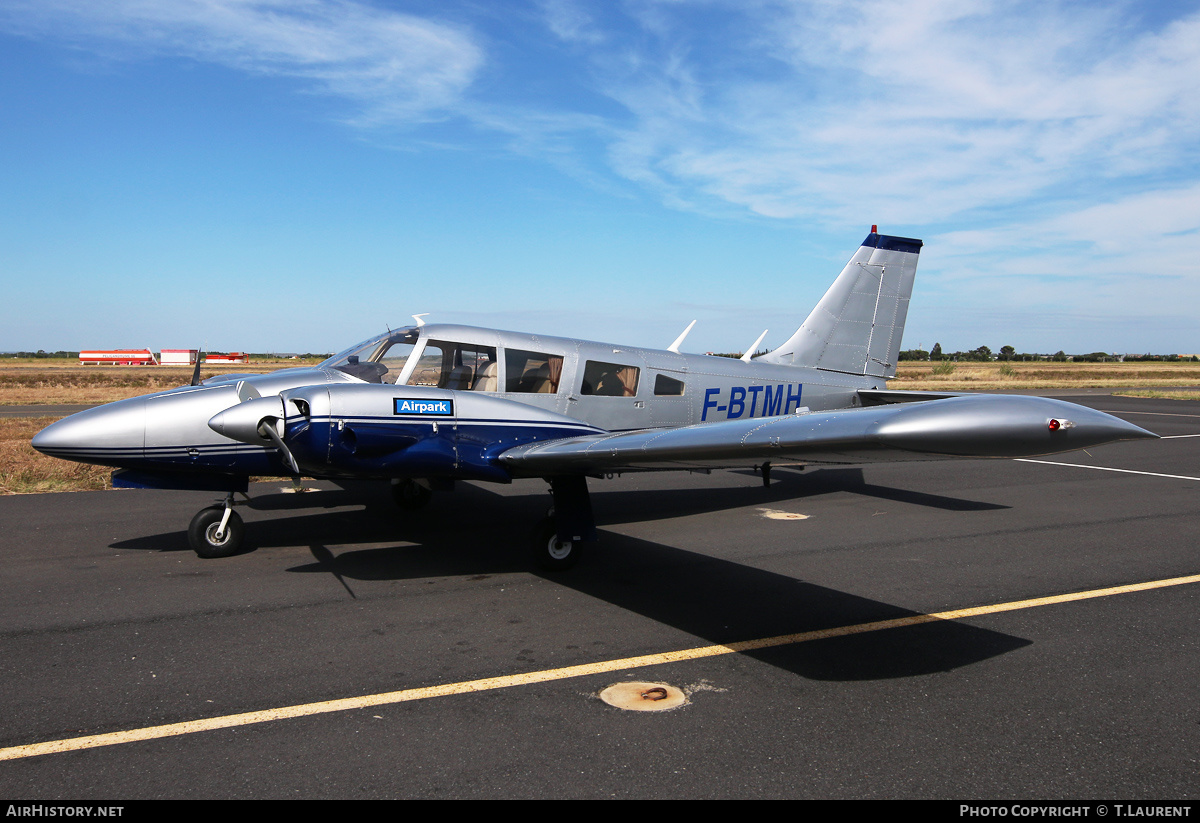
[[217, 531]]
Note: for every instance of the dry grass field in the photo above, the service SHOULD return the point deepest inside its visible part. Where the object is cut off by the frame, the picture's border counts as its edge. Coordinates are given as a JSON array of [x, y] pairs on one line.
[[1042, 375], [41, 382], [24, 471], [65, 382], [1167, 394]]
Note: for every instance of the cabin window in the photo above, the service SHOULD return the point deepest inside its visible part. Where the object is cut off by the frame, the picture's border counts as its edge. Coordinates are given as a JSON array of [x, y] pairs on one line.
[[667, 386], [609, 379], [455, 366], [532, 372]]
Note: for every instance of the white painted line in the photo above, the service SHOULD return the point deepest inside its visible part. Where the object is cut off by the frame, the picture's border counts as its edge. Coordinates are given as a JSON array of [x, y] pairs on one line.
[[1105, 469], [1160, 414]]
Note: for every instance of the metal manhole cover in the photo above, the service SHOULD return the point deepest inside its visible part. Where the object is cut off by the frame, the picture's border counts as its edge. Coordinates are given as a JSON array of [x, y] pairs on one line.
[[643, 697]]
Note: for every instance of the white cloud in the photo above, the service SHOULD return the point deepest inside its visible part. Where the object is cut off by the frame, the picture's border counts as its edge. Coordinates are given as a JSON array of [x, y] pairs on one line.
[[914, 112], [909, 111], [394, 66], [1119, 275], [570, 21]]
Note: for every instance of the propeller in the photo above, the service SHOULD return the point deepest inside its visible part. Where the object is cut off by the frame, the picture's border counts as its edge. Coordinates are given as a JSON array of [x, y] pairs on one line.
[[196, 371], [267, 429], [254, 420]]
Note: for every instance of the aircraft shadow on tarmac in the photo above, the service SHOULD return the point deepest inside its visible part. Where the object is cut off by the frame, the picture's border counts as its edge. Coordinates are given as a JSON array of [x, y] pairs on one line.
[[358, 512], [786, 484], [724, 602], [476, 532]]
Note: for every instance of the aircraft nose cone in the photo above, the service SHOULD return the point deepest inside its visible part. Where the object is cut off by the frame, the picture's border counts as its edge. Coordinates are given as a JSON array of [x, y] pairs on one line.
[[102, 435]]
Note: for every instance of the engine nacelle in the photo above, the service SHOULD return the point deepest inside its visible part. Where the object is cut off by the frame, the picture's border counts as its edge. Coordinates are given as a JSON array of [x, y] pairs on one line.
[[244, 421]]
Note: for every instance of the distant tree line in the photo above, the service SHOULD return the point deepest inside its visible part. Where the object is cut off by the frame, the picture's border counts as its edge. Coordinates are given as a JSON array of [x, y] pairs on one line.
[[275, 355], [42, 353], [737, 355], [1008, 353]]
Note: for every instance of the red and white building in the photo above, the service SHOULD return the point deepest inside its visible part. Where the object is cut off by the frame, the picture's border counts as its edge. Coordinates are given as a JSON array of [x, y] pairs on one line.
[[118, 357], [232, 357], [178, 357], [145, 357]]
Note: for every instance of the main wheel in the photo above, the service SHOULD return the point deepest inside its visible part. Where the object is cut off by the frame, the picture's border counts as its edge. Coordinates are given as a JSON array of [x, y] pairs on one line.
[[550, 552], [411, 495], [202, 533]]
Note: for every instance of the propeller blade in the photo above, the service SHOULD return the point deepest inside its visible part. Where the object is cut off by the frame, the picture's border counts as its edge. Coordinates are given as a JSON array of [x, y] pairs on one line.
[[267, 430], [196, 371]]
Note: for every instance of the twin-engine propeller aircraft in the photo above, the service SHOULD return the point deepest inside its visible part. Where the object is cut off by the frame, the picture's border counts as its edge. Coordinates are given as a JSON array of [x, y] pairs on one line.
[[428, 405]]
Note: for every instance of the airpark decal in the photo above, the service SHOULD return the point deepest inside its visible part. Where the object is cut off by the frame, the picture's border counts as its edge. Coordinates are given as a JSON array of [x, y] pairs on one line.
[[423, 408]]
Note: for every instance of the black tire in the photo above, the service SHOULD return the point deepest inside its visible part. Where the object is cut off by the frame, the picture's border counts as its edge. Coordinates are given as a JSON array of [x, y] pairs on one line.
[[202, 533], [549, 552], [411, 495]]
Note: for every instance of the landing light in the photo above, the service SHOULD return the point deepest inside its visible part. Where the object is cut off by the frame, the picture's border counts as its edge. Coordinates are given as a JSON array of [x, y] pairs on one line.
[[1058, 423]]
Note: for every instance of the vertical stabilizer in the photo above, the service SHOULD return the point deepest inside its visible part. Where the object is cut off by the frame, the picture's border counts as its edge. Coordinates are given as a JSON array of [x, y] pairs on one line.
[[856, 328]]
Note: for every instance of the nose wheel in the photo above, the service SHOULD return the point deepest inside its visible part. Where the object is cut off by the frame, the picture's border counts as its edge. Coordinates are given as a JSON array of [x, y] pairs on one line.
[[216, 531]]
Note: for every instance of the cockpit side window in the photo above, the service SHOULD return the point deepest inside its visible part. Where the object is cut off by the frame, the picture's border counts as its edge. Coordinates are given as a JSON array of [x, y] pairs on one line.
[[395, 358], [456, 366], [532, 372]]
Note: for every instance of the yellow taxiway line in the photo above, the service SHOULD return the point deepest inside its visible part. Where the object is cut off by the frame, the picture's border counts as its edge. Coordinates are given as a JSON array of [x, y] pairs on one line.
[[507, 681]]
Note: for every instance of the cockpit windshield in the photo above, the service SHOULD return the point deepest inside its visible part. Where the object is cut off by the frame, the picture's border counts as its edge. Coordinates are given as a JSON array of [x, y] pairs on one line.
[[378, 360]]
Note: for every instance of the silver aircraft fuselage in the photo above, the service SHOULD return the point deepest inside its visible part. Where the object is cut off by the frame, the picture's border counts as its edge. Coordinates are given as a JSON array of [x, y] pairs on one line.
[[430, 404], [169, 431], [460, 400]]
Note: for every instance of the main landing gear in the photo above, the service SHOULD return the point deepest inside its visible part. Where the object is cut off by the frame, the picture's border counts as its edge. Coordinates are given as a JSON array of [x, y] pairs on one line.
[[411, 494], [550, 551], [558, 540], [217, 531]]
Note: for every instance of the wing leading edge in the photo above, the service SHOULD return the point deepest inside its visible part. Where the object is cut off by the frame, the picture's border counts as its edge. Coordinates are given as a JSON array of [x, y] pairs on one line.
[[966, 426]]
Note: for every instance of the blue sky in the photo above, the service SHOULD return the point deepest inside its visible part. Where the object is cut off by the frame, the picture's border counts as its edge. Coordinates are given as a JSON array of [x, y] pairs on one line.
[[295, 175]]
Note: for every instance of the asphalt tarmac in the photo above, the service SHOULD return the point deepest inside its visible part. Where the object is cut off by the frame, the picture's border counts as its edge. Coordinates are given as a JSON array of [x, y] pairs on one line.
[[110, 625], [43, 411]]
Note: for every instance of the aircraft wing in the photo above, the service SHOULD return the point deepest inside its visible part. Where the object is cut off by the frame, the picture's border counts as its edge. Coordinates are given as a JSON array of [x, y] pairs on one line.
[[964, 426], [883, 397]]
